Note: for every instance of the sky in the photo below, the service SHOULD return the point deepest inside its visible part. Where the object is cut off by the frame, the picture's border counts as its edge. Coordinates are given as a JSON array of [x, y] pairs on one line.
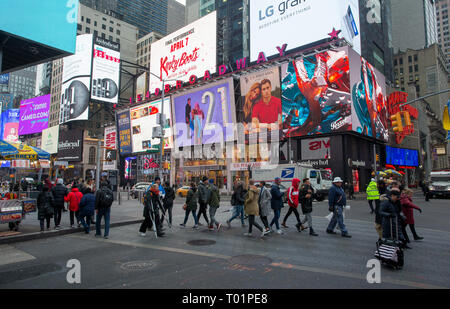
[[182, 1]]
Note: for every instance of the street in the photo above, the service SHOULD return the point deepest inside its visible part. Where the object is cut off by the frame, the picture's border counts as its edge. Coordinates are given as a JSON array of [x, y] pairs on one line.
[[201, 259]]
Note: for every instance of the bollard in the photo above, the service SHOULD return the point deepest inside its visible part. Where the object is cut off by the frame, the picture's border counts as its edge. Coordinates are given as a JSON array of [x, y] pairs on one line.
[[128, 193], [119, 197]]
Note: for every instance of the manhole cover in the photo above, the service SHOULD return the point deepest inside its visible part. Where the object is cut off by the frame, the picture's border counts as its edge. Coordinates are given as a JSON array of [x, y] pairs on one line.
[[250, 259], [138, 265], [201, 242]]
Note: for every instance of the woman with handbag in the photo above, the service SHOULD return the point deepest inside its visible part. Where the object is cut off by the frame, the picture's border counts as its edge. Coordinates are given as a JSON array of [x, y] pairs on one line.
[[191, 205], [45, 205]]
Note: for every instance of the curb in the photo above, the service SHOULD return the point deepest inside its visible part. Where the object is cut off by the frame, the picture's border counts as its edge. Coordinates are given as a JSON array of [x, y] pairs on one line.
[[54, 233]]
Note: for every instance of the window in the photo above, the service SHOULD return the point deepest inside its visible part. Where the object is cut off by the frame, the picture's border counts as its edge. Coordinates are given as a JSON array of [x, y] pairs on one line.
[[103, 36], [92, 155], [79, 27], [111, 29], [88, 20], [82, 18], [118, 32], [395, 62], [416, 58], [104, 18], [416, 68], [111, 38], [88, 30], [409, 59], [118, 40], [410, 69], [95, 33], [95, 23], [401, 61], [103, 27]]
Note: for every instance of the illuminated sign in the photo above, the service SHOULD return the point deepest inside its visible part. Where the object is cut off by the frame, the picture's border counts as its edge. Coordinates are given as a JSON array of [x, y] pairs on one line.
[[400, 116]]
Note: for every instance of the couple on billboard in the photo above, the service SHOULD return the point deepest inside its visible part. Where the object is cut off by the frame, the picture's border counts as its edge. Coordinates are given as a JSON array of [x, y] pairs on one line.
[[194, 122]]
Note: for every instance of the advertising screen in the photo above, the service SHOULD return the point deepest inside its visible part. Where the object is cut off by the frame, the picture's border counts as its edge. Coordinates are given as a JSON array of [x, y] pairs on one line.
[[369, 109], [261, 97], [4, 79], [297, 23], [50, 138], [403, 157], [75, 91], [34, 115], [188, 51], [206, 115], [105, 71], [70, 145], [10, 125], [6, 100], [110, 142], [318, 148], [316, 94], [143, 120], [124, 131]]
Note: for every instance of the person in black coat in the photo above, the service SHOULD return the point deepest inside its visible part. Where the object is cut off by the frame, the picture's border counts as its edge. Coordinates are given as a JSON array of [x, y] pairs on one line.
[[277, 204], [152, 204], [45, 204], [59, 192], [392, 217], [168, 202], [306, 200], [237, 201], [87, 209]]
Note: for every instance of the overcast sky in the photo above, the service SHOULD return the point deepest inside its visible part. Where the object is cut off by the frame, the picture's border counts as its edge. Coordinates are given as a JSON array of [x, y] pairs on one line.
[[182, 1]]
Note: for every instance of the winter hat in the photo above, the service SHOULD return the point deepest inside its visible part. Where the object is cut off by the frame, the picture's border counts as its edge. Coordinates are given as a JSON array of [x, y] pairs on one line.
[[60, 181]]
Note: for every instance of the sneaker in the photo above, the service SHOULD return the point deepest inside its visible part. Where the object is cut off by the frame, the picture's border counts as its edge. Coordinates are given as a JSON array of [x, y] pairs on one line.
[[418, 238], [243, 225], [263, 233], [248, 234], [229, 224], [42, 231], [142, 234], [106, 237], [199, 224], [183, 225], [219, 226], [195, 227], [267, 232], [284, 225], [346, 236], [280, 232], [331, 232], [211, 228], [98, 235]]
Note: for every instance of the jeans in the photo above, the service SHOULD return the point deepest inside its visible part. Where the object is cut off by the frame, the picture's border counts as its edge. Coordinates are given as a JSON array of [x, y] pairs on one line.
[[58, 212], [276, 218], [72, 213], [41, 222], [212, 216], [187, 216], [251, 223], [308, 219], [102, 212], [202, 210], [338, 218], [238, 210], [86, 223]]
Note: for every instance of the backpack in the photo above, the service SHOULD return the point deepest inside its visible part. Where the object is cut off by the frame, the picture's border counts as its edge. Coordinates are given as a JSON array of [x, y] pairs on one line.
[[107, 198]]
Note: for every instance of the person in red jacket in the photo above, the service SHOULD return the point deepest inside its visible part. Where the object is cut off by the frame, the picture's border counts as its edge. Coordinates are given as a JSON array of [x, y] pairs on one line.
[[408, 210], [293, 200], [74, 199]]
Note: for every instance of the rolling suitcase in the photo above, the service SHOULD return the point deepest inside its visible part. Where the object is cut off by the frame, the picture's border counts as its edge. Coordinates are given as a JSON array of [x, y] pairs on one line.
[[389, 251]]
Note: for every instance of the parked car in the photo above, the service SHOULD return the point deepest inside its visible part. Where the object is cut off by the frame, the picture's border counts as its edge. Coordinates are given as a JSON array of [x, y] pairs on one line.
[[139, 187], [183, 191]]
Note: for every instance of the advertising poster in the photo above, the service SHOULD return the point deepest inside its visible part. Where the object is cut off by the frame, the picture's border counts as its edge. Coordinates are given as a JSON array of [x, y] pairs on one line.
[[75, 91], [316, 94], [34, 115], [317, 148], [206, 115], [188, 51], [370, 108], [143, 120], [105, 71], [261, 97], [110, 142], [4, 79], [141, 88], [70, 145], [50, 138], [10, 125], [298, 23], [124, 131]]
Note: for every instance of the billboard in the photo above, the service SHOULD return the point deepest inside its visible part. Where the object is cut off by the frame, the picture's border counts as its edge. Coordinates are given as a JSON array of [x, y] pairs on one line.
[[205, 115], [50, 138], [124, 131], [185, 52], [110, 142], [316, 94], [105, 71], [402, 157], [317, 148], [143, 120], [273, 23], [4, 79], [261, 97], [141, 88], [76, 80], [10, 125], [70, 145], [34, 115], [6, 100]]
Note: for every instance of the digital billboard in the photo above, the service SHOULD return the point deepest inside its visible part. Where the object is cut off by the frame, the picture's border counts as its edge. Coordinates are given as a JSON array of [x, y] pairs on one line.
[[261, 97], [6, 100], [34, 115], [205, 115], [317, 148], [110, 143], [297, 23], [185, 52], [70, 145], [105, 71], [10, 125], [50, 138], [143, 120], [402, 157], [124, 131], [4, 79], [75, 91], [316, 95]]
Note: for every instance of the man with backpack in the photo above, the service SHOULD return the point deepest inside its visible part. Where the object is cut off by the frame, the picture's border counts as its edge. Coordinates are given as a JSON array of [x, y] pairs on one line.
[[104, 199], [214, 203], [203, 197]]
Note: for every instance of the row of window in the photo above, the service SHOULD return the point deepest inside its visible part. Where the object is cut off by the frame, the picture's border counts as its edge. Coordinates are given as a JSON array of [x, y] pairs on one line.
[[88, 21]]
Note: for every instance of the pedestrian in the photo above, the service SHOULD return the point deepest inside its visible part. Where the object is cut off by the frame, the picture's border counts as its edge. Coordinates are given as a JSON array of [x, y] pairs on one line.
[[392, 217], [293, 200], [252, 209], [214, 203], [191, 205], [237, 201], [408, 210], [203, 197], [48, 184], [45, 205], [104, 199], [276, 204], [264, 205], [306, 200], [152, 204], [87, 209], [381, 186], [168, 199], [59, 192], [91, 185], [336, 203], [373, 195], [74, 199]]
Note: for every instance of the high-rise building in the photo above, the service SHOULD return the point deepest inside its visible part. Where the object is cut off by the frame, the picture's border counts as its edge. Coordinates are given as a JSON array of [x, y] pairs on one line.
[[144, 48], [43, 79], [21, 85], [175, 16], [147, 15], [442, 7], [413, 24]]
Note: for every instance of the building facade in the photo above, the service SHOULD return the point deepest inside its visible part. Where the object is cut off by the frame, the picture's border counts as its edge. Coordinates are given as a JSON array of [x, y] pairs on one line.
[[22, 85], [176, 16], [143, 48], [442, 7]]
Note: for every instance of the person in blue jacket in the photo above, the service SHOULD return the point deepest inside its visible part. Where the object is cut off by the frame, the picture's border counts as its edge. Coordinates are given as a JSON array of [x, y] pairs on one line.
[[337, 202], [277, 204], [87, 209]]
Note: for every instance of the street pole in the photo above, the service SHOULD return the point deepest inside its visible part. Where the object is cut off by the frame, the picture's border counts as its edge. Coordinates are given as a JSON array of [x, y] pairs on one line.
[[375, 160], [99, 160], [162, 135]]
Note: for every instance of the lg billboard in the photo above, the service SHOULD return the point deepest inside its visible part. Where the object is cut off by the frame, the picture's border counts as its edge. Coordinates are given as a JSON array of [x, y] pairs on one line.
[[188, 51], [297, 23]]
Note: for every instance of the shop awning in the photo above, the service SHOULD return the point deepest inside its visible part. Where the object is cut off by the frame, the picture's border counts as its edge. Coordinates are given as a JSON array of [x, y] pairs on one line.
[[42, 155], [6, 149], [25, 152]]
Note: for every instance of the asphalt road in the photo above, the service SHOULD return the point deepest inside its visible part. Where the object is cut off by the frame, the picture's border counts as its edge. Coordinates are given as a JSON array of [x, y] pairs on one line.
[[233, 261]]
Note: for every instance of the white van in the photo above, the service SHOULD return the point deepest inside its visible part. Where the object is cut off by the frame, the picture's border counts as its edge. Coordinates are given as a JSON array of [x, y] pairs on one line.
[[439, 184]]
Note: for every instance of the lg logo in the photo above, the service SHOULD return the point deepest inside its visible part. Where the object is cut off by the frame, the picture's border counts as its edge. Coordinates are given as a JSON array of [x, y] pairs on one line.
[[269, 13], [374, 14]]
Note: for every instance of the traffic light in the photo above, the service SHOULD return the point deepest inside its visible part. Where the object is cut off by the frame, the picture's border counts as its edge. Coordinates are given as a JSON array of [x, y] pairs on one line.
[[407, 118], [396, 121], [378, 158]]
